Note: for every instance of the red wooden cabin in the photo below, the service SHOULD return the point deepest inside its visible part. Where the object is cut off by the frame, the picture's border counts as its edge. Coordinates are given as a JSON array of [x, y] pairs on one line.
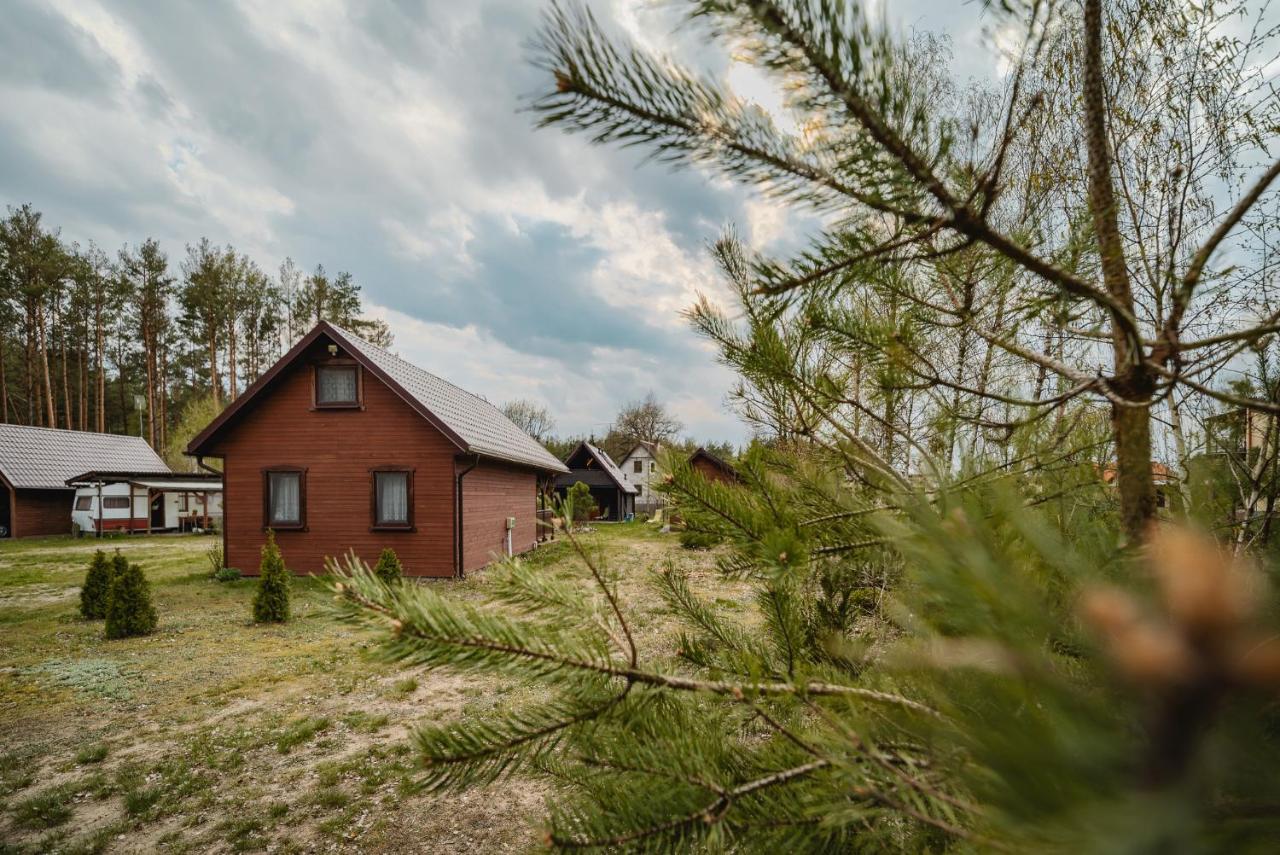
[[343, 446]]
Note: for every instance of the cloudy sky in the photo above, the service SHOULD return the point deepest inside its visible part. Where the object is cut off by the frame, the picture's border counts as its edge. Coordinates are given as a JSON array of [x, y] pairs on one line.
[[385, 138]]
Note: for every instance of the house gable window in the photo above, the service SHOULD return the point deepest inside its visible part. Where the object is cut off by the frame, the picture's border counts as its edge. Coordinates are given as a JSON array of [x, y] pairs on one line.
[[337, 385], [638, 466], [392, 501], [284, 498]]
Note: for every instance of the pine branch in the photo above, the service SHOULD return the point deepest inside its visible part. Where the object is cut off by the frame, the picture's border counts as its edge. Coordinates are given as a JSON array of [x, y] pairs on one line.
[[709, 815]]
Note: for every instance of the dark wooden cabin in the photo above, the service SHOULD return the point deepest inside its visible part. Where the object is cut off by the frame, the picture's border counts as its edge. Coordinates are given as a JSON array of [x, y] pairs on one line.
[[615, 498], [343, 446], [712, 468], [36, 462]]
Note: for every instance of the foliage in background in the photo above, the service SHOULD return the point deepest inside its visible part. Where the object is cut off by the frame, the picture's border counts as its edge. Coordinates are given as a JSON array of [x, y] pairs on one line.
[[388, 568], [196, 416], [271, 601], [129, 609], [85, 336], [531, 417], [97, 584]]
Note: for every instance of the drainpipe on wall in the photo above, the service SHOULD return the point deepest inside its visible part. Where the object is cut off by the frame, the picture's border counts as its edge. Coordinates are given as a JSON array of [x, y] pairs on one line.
[[461, 554]]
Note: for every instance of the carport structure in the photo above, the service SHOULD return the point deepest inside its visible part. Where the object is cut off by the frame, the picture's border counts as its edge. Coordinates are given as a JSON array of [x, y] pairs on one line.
[[145, 502]]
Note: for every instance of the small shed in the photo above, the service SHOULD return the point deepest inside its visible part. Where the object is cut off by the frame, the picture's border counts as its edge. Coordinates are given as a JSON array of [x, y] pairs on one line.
[[615, 498], [713, 468], [144, 502], [36, 462]]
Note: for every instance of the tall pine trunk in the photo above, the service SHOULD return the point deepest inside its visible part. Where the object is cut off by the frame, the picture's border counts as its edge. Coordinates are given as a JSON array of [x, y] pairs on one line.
[[1133, 383], [99, 368], [214, 385], [4, 384], [51, 419], [29, 355]]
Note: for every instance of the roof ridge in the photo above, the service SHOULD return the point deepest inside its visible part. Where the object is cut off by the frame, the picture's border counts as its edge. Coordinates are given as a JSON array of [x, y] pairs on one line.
[[73, 430]]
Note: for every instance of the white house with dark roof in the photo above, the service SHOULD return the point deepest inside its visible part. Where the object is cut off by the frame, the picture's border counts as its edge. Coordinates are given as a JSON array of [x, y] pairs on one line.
[[639, 468]]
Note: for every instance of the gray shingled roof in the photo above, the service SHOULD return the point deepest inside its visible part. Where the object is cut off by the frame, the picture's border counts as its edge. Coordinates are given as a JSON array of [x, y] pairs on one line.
[[479, 424], [607, 466], [34, 458]]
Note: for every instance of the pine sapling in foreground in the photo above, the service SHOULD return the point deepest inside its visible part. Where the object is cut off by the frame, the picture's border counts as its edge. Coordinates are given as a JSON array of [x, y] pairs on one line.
[[271, 603], [388, 568], [97, 582], [129, 609]]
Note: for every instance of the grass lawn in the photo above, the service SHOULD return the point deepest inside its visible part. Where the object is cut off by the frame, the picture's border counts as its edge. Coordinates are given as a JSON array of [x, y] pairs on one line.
[[216, 735]]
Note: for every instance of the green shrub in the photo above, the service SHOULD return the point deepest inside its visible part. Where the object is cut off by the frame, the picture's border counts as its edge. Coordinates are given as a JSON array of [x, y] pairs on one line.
[[97, 582], [129, 609], [226, 574], [388, 568], [580, 501], [271, 603]]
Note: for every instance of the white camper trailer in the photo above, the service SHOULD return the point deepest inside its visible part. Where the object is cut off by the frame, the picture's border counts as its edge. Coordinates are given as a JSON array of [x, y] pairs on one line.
[[122, 501]]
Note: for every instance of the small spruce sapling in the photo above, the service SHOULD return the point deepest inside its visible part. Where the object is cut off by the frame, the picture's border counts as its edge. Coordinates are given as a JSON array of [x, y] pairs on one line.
[[271, 603], [388, 568], [97, 583], [129, 608]]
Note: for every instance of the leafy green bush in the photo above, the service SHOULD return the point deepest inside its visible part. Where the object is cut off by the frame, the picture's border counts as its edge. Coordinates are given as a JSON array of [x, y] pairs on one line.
[[226, 574], [129, 609], [97, 582], [271, 603], [388, 568]]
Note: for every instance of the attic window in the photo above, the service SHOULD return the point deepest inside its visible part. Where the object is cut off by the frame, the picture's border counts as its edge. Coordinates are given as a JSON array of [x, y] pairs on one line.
[[639, 466], [337, 385]]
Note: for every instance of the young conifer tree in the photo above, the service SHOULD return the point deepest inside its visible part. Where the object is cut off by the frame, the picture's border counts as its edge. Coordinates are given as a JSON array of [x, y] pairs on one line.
[[97, 583], [953, 656], [388, 568], [129, 609], [271, 602]]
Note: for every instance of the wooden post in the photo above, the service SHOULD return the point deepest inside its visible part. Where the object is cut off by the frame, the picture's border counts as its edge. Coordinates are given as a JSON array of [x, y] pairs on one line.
[[99, 526]]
